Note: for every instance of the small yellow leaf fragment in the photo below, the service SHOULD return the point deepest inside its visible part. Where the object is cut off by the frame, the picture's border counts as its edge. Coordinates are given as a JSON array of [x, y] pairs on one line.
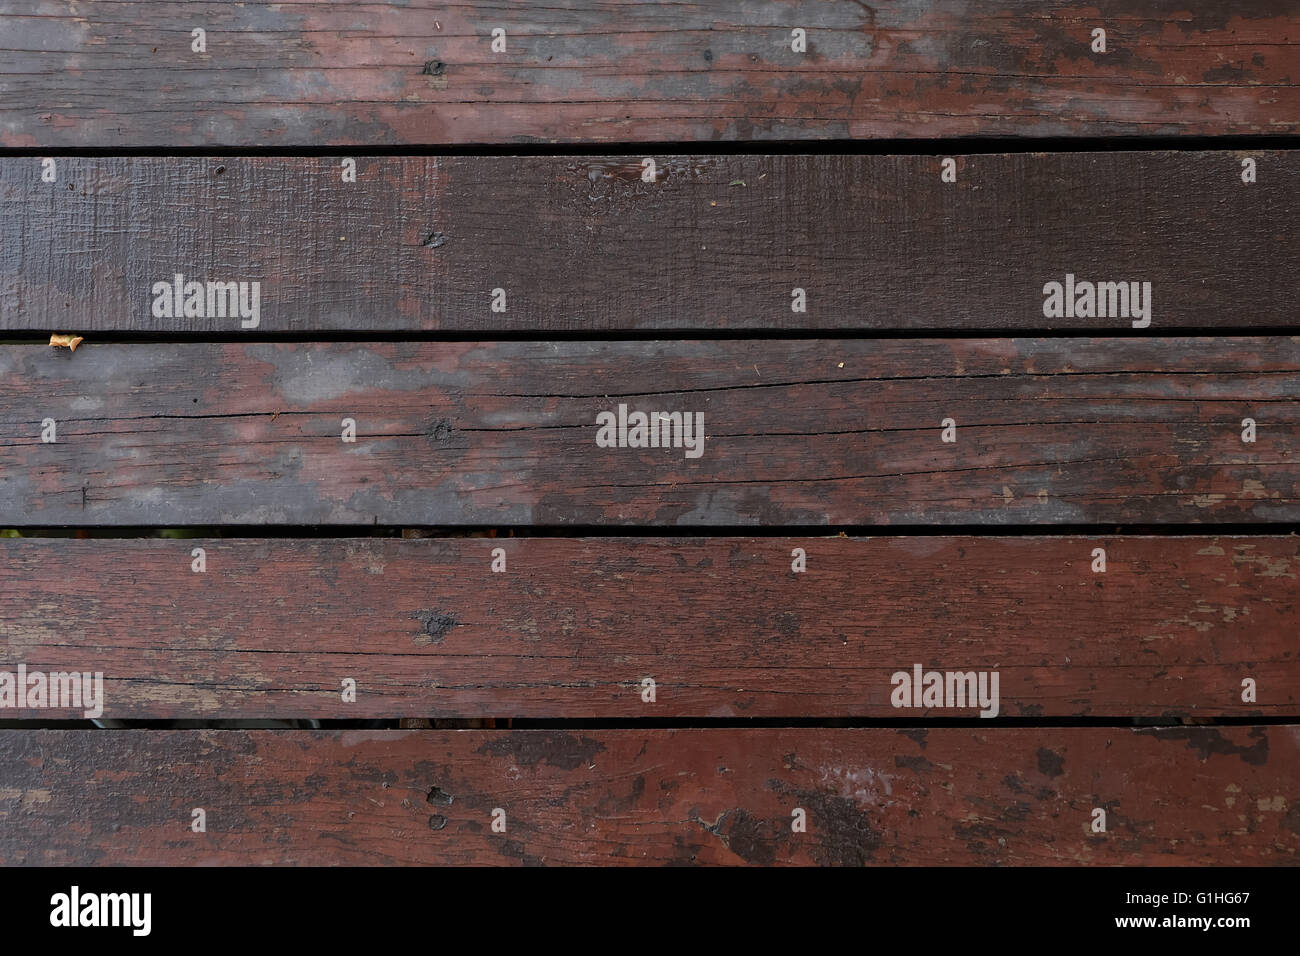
[[66, 341]]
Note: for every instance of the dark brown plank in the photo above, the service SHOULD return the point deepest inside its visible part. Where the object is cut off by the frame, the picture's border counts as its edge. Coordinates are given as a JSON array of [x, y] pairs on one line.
[[582, 243], [723, 626], [331, 73], [1188, 795], [796, 433]]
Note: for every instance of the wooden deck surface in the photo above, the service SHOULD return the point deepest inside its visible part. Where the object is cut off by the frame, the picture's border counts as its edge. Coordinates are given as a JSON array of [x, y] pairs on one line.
[[582, 244], [333, 73], [1171, 796], [968, 536], [834, 432], [722, 625]]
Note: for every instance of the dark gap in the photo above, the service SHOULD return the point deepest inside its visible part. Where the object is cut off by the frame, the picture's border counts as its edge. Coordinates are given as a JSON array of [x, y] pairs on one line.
[[888, 723], [669, 723], [968, 145], [1172, 530], [198, 337]]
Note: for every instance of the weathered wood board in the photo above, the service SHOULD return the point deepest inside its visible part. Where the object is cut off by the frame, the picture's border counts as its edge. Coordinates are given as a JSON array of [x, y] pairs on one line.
[[801, 432], [336, 73], [724, 627], [1191, 795], [584, 244]]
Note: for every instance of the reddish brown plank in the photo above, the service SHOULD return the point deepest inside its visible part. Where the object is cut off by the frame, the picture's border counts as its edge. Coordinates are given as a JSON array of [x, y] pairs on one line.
[[1188, 795], [327, 73], [723, 626], [582, 243], [795, 432]]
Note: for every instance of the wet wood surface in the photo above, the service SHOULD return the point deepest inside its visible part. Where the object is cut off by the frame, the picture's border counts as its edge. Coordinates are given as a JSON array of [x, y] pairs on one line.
[[806, 432], [335, 73], [583, 244], [1171, 796], [723, 626]]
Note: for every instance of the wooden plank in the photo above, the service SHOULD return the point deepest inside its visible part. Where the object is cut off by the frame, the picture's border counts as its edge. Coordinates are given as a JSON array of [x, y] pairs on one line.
[[582, 243], [805, 432], [1186, 795], [330, 73], [723, 626]]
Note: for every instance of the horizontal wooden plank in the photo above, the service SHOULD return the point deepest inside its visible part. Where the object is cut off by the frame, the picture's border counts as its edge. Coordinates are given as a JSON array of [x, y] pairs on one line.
[[582, 243], [1187, 795], [724, 627], [793, 432], [329, 73]]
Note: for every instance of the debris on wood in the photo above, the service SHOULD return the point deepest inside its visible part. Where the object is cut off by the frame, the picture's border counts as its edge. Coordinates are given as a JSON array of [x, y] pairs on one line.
[[66, 341]]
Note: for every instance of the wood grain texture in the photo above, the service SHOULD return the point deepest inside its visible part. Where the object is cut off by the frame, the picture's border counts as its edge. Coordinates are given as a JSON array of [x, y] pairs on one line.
[[582, 243], [722, 625], [1188, 795], [796, 433], [333, 73]]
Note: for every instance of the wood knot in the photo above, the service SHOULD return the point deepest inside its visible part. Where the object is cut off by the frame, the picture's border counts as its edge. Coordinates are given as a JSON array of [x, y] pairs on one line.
[[434, 626], [440, 431]]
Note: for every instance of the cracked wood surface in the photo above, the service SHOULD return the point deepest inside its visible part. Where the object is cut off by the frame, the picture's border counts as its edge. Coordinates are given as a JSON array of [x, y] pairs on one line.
[[722, 625], [336, 73], [807, 432], [1172, 796], [581, 244]]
